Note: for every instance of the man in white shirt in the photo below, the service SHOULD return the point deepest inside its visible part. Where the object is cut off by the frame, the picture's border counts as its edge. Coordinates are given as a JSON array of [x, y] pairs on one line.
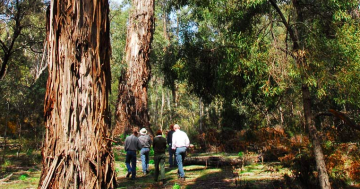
[[180, 142]]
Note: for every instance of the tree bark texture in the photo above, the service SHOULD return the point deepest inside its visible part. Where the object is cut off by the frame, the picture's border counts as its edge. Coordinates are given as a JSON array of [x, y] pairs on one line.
[[77, 145], [132, 110], [318, 153]]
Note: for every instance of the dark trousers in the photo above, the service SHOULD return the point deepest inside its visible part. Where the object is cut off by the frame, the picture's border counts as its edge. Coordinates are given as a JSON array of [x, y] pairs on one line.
[[159, 160], [172, 160], [131, 158]]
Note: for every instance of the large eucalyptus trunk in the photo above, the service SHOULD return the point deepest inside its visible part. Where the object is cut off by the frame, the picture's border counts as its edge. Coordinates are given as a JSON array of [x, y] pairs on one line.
[[77, 145], [132, 110]]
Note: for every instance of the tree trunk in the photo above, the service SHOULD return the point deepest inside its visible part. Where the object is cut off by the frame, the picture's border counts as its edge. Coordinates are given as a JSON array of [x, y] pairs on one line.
[[162, 109], [169, 106], [318, 153], [8, 46], [213, 161], [298, 46], [77, 145], [5, 132], [200, 115], [132, 110], [156, 110]]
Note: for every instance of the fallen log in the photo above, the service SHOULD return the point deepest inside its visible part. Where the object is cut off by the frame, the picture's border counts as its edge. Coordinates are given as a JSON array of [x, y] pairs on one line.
[[213, 161], [7, 178]]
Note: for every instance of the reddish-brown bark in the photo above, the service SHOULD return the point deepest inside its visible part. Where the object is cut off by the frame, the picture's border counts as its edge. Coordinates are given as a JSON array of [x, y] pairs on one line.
[[77, 147], [132, 110]]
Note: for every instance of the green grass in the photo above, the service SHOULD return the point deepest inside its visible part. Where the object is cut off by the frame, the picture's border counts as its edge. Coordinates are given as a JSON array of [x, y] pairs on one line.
[[196, 175], [30, 180], [241, 154], [117, 156], [7, 163], [176, 186], [23, 177]]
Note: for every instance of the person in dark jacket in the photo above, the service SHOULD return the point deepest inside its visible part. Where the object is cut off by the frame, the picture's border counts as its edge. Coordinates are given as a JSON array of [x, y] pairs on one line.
[[159, 145], [169, 141], [132, 144], [145, 141]]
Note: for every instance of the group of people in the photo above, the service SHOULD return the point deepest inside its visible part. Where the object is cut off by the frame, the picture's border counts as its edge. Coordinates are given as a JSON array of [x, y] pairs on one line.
[[176, 141]]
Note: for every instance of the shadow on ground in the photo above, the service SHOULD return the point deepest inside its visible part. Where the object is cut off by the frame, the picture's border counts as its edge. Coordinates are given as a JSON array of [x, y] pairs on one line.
[[225, 178]]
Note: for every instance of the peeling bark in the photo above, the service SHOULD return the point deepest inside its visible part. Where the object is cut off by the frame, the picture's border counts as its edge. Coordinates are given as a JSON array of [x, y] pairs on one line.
[[132, 110], [77, 145]]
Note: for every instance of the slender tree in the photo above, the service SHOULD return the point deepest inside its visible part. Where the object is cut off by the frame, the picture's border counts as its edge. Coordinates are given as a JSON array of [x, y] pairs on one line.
[[15, 20], [132, 102], [299, 45], [77, 147]]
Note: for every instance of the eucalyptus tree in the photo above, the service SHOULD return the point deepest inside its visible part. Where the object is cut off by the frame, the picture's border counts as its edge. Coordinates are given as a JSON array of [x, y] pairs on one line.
[[311, 27], [299, 47], [18, 17], [119, 15], [238, 50], [22, 32], [212, 55], [77, 147], [132, 101], [161, 104]]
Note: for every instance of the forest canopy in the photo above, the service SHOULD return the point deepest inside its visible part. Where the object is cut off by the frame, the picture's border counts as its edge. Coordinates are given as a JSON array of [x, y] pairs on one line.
[[270, 76]]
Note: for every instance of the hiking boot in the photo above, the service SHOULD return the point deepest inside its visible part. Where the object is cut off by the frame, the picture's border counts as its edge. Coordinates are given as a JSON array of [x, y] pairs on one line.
[[182, 178], [128, 174]]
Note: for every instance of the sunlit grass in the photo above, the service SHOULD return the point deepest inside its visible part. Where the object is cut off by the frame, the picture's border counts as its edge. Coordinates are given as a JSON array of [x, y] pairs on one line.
[[26, 180], [256, 172], [195, 174]]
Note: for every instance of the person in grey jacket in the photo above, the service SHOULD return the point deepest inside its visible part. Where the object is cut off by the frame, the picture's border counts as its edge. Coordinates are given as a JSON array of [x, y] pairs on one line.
[[146, 142], [132, 144]]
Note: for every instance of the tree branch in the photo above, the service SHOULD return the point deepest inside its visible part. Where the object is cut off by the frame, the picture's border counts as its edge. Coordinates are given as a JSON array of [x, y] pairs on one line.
[[4, 47], [341, 116], [286, 24]]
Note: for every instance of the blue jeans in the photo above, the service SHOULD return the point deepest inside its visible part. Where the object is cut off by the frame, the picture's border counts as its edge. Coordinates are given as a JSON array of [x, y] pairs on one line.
[[144, 152], [131, 157], [171, 157], [180, 156]]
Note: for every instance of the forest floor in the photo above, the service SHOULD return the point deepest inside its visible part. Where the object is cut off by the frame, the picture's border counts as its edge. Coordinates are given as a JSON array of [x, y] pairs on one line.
[[20, 171], [255, 176], [23, 171]]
